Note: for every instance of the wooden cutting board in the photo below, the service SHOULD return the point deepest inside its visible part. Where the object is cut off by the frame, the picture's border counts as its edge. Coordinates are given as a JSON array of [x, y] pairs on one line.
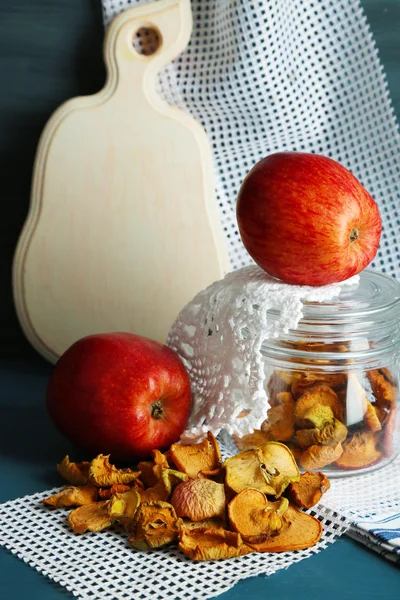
[[123, 227]]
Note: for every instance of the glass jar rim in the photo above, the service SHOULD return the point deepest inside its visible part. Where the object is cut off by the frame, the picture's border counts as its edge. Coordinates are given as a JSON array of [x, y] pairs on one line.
[[375, 294], [365, 317]]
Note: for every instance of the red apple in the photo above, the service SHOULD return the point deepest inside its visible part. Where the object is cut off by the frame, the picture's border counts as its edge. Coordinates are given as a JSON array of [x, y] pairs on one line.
[[307, 220], [119, 394]]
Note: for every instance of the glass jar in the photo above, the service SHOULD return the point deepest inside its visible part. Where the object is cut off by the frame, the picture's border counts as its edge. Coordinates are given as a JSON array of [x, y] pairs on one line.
[[333, 382]]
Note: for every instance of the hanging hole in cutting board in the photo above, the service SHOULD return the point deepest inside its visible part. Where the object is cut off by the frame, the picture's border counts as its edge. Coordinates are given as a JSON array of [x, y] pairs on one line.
[[146, 41]]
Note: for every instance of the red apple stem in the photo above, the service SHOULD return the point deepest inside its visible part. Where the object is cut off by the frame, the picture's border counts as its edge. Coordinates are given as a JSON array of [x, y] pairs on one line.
[[354, 235], [157, 410]]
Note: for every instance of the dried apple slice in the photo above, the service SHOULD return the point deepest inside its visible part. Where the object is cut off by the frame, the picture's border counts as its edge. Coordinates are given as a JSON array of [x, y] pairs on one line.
[[124, 506], [73, 496], [243, 472], [275, 386], [103, 474], [317, 457], [199, 499], [318, 416], [205, 456], [384, 387], [269, 469], [74, 473], [217, 475], [371, 418], [212, 544], [285, 398], [155, 524], [278, 466], [330, 435], [252, 440], [319, 394], [301, 531], [206, 524], [171, 477], [158, 493], [333, 380], [167, 480], [309, 490], [360, 451], [288, 377], [119, 488], [92, 517], [146, 472], [255, 517], [160, 459], [279, 424]]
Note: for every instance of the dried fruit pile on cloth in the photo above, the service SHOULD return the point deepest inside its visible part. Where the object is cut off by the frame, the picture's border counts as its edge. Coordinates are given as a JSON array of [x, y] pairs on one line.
[[249, 503], [105, 565]]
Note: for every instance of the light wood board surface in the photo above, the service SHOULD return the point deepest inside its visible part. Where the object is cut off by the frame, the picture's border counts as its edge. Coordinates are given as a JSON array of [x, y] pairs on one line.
[[123, 227]]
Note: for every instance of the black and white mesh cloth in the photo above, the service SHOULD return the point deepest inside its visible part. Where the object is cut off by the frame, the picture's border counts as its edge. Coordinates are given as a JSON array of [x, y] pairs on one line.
[[270, 75]]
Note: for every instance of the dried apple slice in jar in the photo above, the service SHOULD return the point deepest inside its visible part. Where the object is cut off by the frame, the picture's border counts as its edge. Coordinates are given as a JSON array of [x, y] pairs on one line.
[[384, 387], [318, 416], [361, 451], [312, 378], [275, 386], [321, 395], [279, 424], [331, 434], [371, 418], [317, 457]]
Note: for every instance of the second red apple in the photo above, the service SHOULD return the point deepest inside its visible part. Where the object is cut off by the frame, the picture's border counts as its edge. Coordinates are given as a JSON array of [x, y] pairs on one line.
[[305, 219], [119, 394]]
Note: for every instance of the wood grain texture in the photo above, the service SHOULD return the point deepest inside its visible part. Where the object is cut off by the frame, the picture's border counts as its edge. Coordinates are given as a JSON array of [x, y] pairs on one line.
[[123, 228]]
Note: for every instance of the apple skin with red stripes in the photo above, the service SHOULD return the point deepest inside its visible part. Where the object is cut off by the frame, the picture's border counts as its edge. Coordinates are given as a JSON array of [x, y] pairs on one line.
[[306, 220], [119, 394]]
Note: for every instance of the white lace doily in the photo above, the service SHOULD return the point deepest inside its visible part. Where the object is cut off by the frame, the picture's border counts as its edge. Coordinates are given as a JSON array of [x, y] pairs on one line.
[[102, 566], [264, 76], [218, 336]]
